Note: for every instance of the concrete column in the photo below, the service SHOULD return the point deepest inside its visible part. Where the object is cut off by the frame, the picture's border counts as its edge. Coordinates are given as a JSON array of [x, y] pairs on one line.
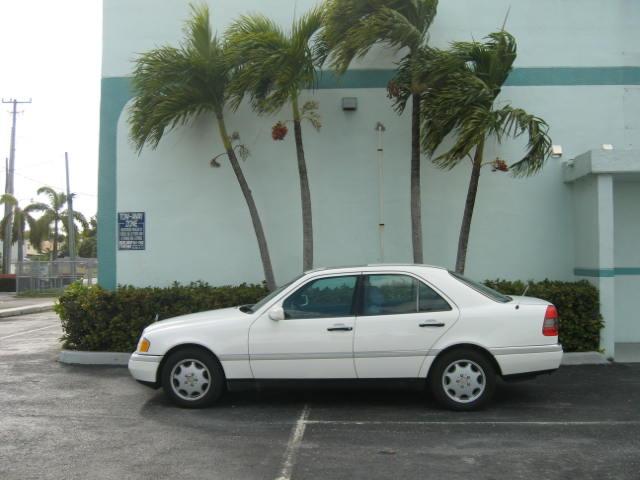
[[604, 186]]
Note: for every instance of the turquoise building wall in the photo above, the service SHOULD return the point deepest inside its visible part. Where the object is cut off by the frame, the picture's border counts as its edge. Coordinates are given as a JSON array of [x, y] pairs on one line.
[[197, 223]]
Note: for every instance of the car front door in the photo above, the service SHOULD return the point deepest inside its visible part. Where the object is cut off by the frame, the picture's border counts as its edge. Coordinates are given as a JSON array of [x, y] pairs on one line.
[[400, 319], [314, 340]]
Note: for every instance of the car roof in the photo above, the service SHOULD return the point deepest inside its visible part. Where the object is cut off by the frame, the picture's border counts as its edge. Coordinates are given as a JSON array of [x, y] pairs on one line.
[[373, 266]]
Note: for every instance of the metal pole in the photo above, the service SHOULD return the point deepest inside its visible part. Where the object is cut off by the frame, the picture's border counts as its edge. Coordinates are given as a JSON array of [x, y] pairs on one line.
[[6, 235], [380, 128], [70, 227], [8, 210]]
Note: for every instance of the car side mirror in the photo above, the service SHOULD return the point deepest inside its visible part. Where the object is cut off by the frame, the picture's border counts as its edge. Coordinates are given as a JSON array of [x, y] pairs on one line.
[[276, 313]]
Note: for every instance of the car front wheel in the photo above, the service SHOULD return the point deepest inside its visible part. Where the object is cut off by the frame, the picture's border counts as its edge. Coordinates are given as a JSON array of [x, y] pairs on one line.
[[193, 378], [462, 380]]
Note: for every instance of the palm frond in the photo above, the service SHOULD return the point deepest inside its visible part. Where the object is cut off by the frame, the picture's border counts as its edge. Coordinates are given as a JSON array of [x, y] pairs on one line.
[[8, 199], [271, 65], [514, 122], [172, 85], [353, 27], [461, 86]]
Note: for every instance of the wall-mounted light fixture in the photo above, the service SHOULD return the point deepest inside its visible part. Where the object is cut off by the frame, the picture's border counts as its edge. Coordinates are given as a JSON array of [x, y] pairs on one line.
[[349, 104], [556, 151], [607, 146]]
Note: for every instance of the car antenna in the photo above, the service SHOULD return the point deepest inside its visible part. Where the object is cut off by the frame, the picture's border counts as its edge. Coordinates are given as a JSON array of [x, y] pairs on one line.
[[526, 289], [156, 318]]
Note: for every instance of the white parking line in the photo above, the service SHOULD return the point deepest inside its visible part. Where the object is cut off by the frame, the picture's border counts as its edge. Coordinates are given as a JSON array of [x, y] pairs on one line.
[[294, 444], [28, 331], [481, 422]]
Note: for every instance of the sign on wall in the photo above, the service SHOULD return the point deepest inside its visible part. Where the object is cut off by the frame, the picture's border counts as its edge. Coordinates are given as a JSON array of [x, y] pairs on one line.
[[131, 231]]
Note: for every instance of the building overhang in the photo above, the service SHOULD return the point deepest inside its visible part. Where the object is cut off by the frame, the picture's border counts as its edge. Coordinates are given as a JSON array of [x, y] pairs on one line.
[[622, 165]]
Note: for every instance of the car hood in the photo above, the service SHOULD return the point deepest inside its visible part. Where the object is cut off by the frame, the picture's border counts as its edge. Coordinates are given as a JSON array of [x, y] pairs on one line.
[[192, 318], [528, 300]]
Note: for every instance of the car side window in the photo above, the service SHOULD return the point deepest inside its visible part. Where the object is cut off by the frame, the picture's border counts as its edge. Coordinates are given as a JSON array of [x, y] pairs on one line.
[[430, 301], [399, 294], [322, 298]]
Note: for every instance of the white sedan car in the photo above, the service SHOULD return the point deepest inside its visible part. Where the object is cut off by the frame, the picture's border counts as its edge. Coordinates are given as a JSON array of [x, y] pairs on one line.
[[404, 324]]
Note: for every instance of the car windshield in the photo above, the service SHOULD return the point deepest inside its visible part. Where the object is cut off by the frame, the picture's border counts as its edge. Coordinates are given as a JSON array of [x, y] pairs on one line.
[[257, 306], [483, 289]]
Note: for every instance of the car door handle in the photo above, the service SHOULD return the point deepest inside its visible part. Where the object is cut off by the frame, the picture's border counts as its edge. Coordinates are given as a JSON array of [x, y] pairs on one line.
[[340, 328], [431, 324]]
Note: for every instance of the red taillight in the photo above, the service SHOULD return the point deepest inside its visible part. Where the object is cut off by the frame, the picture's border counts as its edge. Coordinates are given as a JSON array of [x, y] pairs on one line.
[[550, 324]]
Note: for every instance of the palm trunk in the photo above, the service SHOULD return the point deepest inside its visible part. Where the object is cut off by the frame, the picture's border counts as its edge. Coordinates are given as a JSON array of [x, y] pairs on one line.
[[416, 208], [20, 240], [463, 240], [305, 193], [55, 240], [251, 204]]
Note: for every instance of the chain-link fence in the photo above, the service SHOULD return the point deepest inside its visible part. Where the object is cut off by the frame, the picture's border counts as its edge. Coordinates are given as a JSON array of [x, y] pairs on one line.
[[52, 277]]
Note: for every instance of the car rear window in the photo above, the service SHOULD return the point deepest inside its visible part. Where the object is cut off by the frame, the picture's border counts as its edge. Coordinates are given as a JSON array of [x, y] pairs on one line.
[[483, 289]]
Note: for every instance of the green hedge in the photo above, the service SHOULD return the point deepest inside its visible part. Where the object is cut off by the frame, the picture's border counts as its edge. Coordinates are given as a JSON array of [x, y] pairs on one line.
[[578, 309], [95, 319]]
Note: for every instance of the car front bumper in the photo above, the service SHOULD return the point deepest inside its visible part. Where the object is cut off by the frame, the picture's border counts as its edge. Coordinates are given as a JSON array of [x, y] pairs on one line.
[[144, 368]]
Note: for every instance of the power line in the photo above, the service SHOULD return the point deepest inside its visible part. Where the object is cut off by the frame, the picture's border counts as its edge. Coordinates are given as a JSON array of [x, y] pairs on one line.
[[57, 187]]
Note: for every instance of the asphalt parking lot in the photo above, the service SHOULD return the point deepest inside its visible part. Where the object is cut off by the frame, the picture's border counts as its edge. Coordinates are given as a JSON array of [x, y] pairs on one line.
[[68, 422]]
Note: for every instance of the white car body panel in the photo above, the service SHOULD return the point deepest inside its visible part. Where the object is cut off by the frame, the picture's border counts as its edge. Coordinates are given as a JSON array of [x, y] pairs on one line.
[[305, 349], [251, 346]]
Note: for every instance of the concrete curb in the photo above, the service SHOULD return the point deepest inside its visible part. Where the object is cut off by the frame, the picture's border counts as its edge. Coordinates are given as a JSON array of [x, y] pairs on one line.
[[584, 358], [114, 359], [14, 312]]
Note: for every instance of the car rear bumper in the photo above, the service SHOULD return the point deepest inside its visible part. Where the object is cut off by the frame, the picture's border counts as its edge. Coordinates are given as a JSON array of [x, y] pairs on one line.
[[144, 368], [521, 360]]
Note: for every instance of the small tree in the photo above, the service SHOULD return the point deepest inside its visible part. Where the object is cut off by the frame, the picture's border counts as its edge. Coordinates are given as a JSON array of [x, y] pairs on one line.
[[21, 218], [88, 247], [54, 219], [175, 84], [463, 84], [353, 27], [273, 67]]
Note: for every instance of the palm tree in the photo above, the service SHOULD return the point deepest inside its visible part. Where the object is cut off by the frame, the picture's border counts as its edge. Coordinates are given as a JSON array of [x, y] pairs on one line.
[[54, 217], [352, 28], [21, 218], [173, 85], [273, 67], [464, 83]]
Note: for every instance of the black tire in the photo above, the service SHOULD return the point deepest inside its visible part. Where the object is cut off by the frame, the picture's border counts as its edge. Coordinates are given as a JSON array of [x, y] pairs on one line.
[[205, 367], [478, 394]]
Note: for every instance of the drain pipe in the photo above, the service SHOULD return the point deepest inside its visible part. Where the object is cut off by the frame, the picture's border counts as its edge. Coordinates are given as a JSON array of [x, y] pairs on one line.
[[380, 128]]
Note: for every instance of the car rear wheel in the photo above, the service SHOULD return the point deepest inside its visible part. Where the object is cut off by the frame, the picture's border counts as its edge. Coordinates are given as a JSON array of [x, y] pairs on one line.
[[462, 380], [193, 378]]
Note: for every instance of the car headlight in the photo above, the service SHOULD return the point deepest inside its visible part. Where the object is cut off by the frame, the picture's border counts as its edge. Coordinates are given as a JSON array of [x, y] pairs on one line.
[[143, 345]]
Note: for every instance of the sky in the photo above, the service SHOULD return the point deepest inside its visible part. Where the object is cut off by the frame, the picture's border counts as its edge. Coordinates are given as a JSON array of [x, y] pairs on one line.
[[50, 52]]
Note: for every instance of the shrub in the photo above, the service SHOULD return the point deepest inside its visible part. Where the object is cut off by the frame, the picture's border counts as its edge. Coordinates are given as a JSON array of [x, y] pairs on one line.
[[95, 319], [578, 307]]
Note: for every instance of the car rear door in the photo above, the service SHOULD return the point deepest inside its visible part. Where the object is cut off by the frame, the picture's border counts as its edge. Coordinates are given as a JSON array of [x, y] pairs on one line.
[[400, 318], [315, 340]]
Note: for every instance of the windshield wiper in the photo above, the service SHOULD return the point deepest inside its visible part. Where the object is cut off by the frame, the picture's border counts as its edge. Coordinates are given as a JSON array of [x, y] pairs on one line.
[[245, 309]]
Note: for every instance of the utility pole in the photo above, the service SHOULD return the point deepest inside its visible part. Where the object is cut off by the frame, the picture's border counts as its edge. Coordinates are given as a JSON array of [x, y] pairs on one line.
[[71, 226], [8, 210]]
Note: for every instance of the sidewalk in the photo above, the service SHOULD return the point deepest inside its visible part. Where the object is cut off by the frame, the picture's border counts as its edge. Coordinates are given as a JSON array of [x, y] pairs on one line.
[[10, 305]]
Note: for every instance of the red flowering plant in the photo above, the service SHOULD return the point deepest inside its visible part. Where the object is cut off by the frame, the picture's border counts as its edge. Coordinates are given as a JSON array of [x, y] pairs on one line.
[[499, 165], [309, 112]]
